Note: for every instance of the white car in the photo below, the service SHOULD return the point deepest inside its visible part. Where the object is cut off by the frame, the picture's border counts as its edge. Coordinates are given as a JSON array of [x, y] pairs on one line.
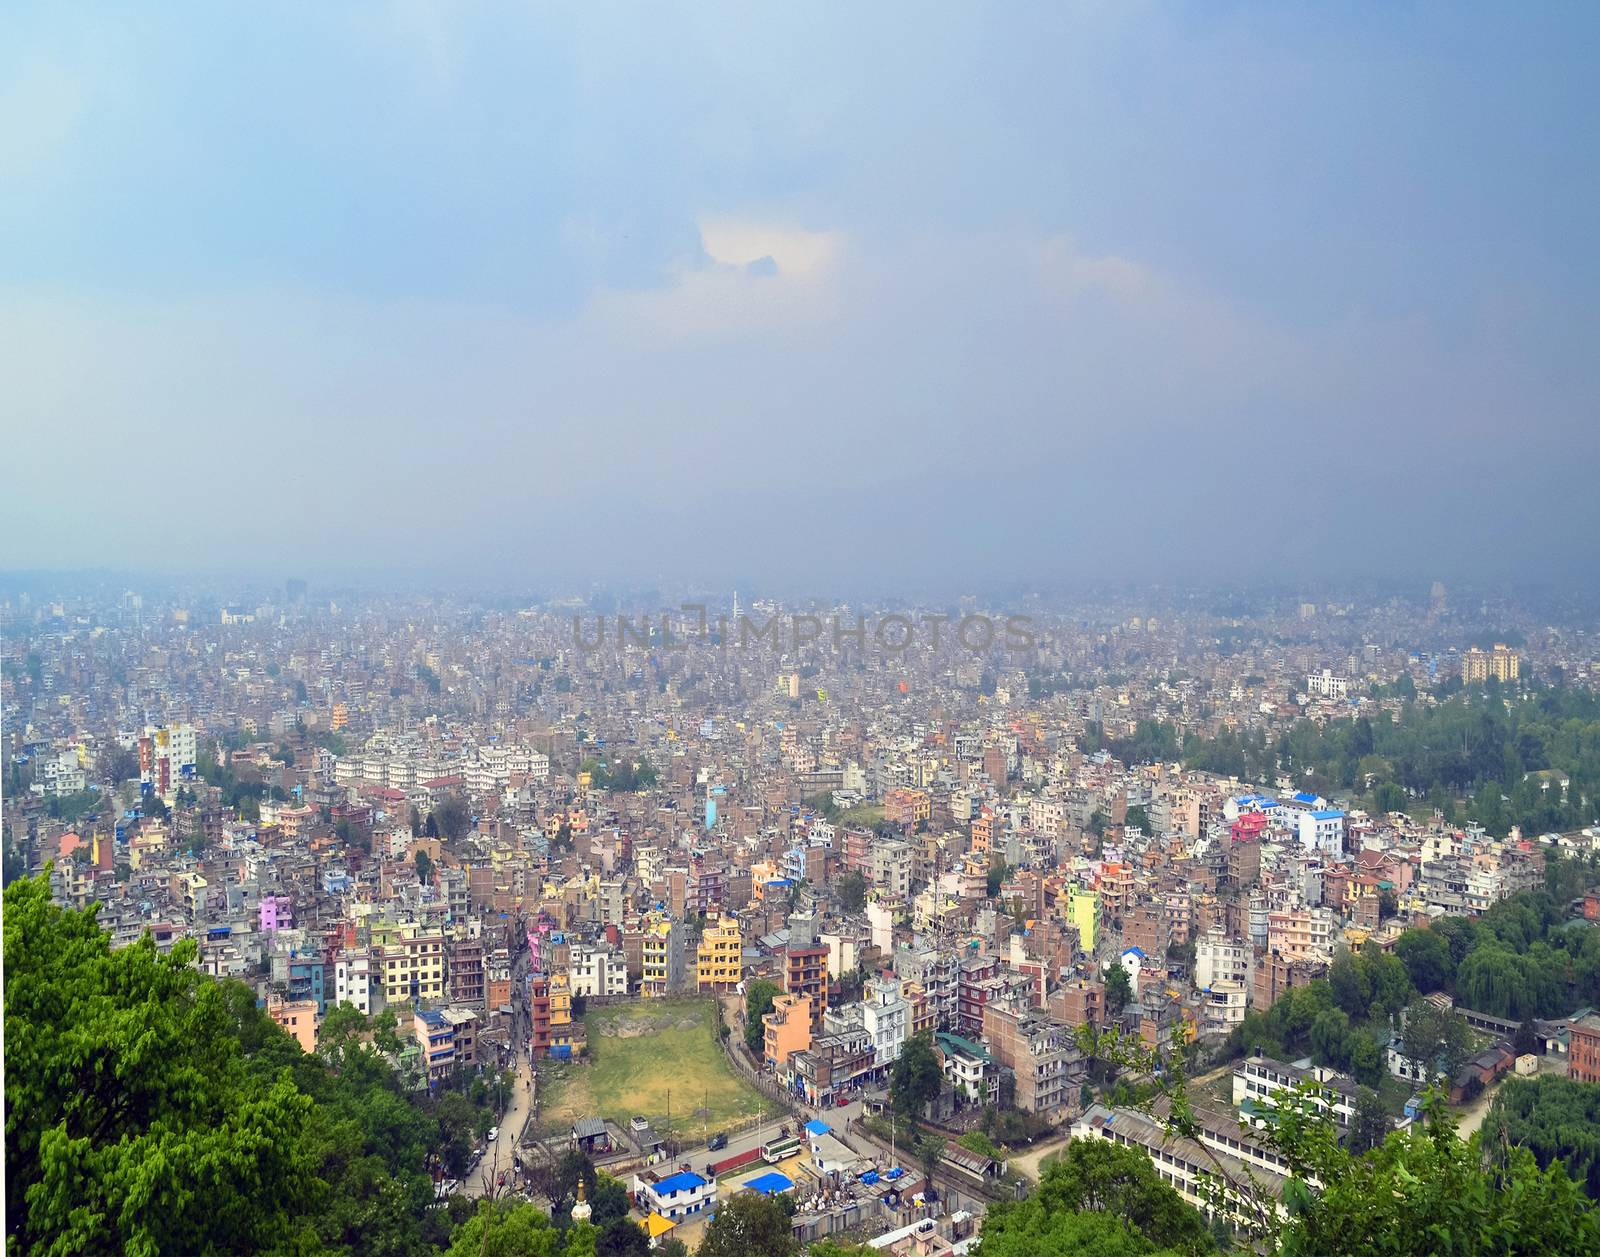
[[494, 1133]]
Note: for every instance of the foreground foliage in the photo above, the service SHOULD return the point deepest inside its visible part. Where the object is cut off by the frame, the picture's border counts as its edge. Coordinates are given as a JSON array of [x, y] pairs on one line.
[[134, 1122]]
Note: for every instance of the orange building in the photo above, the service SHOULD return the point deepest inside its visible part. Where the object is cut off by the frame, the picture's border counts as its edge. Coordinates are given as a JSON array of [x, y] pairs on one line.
[[298, 1017], [788, 1028]]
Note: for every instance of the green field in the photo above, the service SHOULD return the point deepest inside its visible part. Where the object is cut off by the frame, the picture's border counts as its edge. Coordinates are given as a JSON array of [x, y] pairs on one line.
[[643, 1057]]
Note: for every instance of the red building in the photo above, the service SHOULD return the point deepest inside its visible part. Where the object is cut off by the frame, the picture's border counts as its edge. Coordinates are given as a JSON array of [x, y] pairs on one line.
[[1583, 1060], [805, 972]]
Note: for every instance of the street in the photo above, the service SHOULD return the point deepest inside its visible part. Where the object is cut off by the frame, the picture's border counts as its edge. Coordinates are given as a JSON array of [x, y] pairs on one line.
[[500, 1158]]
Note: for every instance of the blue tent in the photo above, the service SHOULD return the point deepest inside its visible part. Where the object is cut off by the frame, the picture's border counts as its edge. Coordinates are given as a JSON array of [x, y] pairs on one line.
[[771, 1183]]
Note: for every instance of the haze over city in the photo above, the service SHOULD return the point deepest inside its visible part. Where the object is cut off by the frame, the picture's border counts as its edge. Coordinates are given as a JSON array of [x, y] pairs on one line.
[[861, 293]]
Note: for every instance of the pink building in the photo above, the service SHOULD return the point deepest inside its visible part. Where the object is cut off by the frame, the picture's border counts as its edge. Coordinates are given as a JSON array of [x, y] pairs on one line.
[[277, 913]]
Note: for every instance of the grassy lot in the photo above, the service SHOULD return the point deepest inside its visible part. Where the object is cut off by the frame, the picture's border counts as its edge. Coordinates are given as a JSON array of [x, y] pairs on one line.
[[643, 1056]]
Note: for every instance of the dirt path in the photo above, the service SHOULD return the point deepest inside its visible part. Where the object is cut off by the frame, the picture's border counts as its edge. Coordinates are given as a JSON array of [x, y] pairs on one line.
[[1028, 1162]]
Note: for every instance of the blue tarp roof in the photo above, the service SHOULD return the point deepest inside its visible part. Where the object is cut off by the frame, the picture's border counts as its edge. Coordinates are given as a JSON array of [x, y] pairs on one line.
[[818, 1127], [686, 1181], [770, 1183]]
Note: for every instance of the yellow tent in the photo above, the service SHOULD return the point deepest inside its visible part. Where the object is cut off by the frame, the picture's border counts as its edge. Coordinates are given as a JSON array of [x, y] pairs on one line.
[[655, 1226]]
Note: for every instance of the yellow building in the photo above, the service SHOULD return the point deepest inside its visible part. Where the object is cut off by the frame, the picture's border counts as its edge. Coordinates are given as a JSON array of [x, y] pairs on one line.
[[412, 963], [657, 967], [1083, 911], [340, 717], [1501, 663], [563, 1031], [721, 956]]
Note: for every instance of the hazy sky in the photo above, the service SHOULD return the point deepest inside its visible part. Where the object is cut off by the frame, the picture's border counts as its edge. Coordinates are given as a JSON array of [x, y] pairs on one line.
[[1065, 290]]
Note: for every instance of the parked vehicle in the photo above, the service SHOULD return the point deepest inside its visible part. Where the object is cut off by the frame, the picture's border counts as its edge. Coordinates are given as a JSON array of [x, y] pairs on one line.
[[494, 1133], [717, 1143], [778, 1149]]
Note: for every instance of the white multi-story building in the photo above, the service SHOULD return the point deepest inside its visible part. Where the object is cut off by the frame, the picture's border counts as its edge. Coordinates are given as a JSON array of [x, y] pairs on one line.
[[61, 775], [352, 980], [1260, 1079], [1223, 1005], [1328, 684], [886, 1017], [891, 868], [596, 971], [1323, 831], [1218, 958]]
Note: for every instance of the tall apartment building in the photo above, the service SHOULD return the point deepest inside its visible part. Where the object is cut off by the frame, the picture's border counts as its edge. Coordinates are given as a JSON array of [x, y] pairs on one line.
[[167, 757], [662, 970], [906, 806], [353, 983], [886, 1017], [787, 1028], [890, 867], [412, 965], [1048, 1067], [1218, 958], [465, 971], [938, 973], [565, 1033], [1328, 684], [805, 972], [1501, 663], [1305, 933], [720, 957], [1323, 831]]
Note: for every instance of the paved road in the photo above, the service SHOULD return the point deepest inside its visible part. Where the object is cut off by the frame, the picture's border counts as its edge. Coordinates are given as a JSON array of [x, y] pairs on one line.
[[500, 1158]]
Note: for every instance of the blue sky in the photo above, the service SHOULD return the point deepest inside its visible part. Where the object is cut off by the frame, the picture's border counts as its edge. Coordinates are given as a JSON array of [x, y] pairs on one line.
[[1056, 290]]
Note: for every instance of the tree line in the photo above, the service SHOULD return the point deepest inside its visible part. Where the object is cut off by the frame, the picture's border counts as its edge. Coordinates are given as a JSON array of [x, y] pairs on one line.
[[1494, 755]]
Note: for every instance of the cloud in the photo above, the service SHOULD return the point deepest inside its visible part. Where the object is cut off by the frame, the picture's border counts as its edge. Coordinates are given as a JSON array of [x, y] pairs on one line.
[[41, 102], [890, 399], [794, 251]]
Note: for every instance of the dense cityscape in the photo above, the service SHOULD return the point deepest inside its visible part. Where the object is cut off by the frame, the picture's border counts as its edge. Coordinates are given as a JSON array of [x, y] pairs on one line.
[[864, 914], [910, 629]]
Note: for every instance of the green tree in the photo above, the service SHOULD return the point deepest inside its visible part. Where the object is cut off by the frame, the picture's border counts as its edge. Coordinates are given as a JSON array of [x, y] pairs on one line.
[[1097, 1197], [424, 863], [1556, 1119], [1369, 1124], [995, 876], [853, 891], [1426, 956], [1366, 1059], [915, 1079], [1119, 989], [117, 764], [1138, 818], [749, 1225], [1436, 1041], [1526, 1042], [758, 997], [1351, 990], [1424, 1191], [505, 1229], [133, 1123], [623, 1237], [385, 1031], [452, 818]]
